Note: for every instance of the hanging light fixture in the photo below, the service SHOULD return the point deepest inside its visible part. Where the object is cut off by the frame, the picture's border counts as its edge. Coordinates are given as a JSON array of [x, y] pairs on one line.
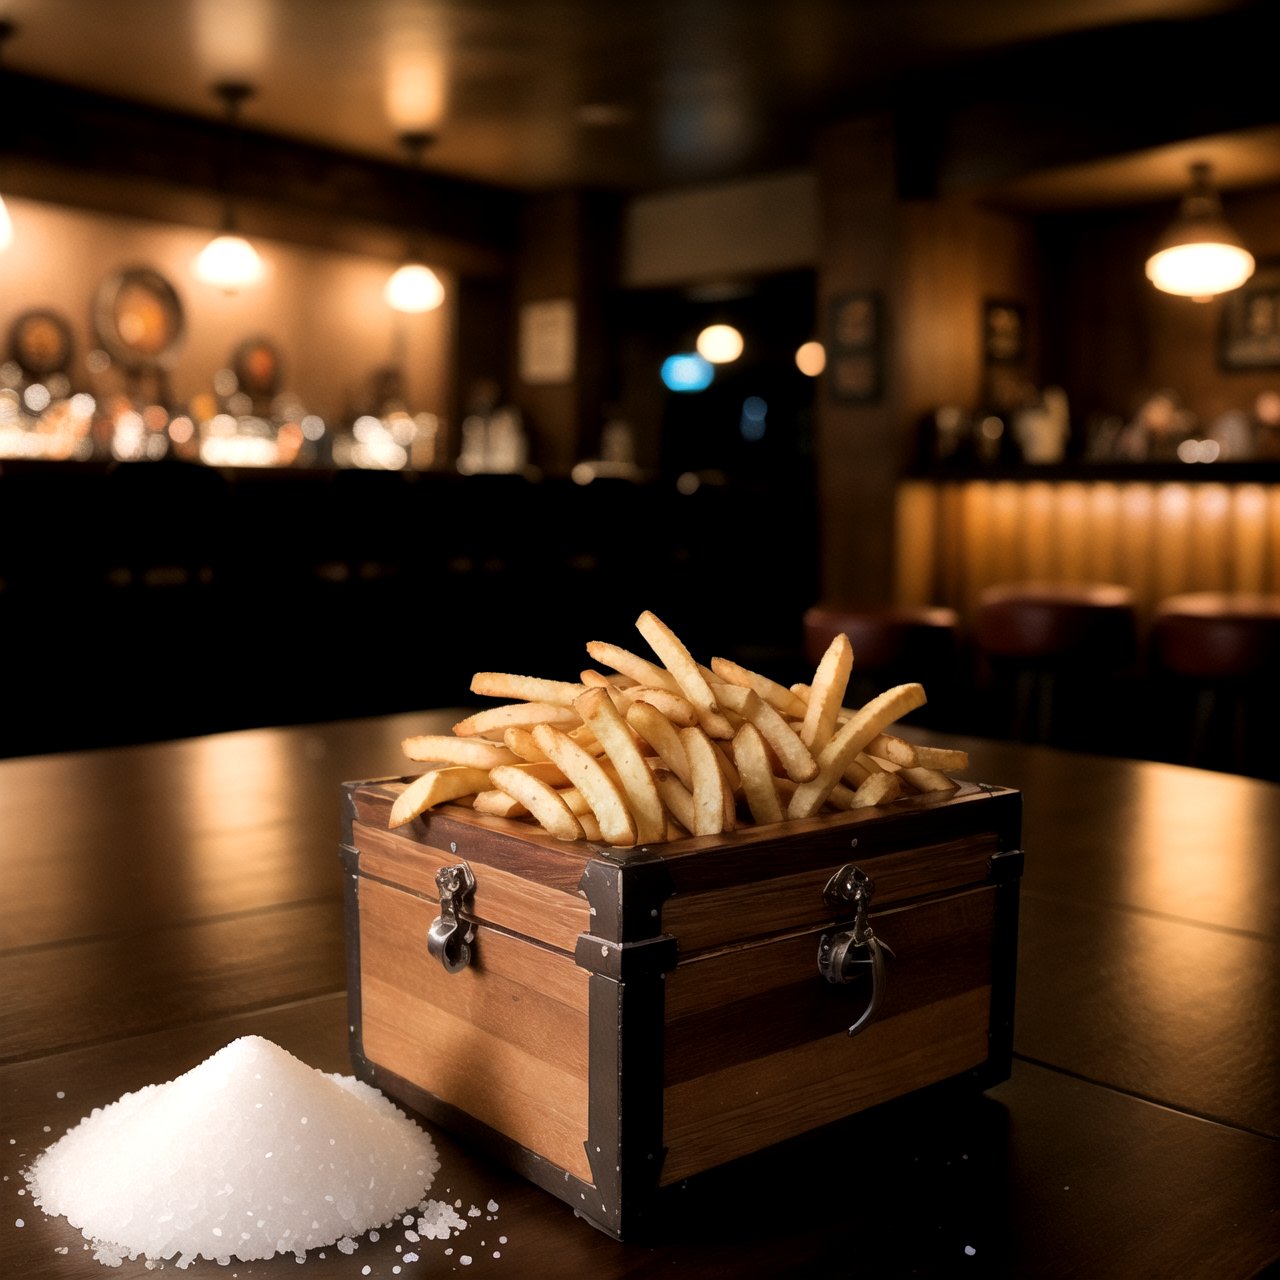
[[414, 287], [7, 30], [1200, 255], [229, 261]]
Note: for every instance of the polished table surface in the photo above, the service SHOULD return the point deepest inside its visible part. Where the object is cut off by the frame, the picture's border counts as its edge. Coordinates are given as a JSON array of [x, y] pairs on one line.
[[159, 901]]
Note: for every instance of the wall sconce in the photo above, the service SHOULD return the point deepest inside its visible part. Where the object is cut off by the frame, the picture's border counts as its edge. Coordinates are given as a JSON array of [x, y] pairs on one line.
[[229, 261], [7, 30], [414, 287], [1200, 255]]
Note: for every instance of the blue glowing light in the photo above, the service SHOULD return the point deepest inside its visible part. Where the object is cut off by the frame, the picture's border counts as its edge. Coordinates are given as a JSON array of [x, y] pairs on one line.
[[687, 372], [752, 422]]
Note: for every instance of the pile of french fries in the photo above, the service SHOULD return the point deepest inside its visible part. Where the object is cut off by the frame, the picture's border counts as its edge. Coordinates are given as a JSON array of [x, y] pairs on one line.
[[647, 751]]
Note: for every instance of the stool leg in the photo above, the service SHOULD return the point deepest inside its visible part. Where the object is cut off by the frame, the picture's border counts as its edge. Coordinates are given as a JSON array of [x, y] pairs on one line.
[[1200, 723]]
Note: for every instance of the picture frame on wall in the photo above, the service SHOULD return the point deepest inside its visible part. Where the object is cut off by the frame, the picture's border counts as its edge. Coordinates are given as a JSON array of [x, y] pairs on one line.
[[1250, 332], [1004, 331], [855, 345]]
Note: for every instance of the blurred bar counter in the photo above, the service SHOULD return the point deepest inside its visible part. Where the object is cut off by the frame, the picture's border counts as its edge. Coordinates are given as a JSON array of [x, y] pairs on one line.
[[1158, 529]]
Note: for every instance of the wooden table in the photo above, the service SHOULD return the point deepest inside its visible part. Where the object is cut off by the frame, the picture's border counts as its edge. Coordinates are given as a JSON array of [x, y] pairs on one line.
[[159, 901]]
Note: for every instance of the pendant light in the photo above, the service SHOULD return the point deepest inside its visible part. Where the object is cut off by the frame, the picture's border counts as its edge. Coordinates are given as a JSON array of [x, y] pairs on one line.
[[1200, 255], [414, 287], [7, 30], [229, 261]]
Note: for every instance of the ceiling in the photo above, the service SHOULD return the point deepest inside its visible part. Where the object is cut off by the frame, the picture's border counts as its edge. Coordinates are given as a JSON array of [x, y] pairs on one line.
[[540, 94]]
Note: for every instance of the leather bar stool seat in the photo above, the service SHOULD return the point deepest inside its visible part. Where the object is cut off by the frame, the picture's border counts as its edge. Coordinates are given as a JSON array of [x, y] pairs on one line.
[[894, 644], [1216, 657], [1050, 657]]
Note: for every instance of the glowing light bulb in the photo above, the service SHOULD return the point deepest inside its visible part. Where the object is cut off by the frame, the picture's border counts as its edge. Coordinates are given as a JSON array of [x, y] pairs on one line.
[[719, 343], [414, 288], [230, 263]]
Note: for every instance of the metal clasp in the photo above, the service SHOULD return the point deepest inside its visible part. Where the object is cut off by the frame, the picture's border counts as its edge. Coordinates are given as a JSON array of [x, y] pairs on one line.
[[450, 937], [845, 955]]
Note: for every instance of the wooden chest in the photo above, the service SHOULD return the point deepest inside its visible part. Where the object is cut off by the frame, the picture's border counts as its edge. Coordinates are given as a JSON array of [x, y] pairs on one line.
[[612, 1022]]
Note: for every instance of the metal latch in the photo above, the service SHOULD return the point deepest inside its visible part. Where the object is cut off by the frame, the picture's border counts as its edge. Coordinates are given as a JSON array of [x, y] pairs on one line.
[[450, 937], [845, 955]]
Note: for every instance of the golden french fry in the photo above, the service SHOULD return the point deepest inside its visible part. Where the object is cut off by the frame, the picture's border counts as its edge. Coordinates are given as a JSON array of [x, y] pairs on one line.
[[502, 684], [778, 696], [662, 736], [675, 706], [444, 749], [758, 783], [922, 779], [849, 740], [879, 788], [540, 798], [944, 758], [617, 827], [676, 796], [712, 800], [614, 734], [688, 675], [827, 693], [888, 746], [436, 786], [598, 679], [632, 665], [494, 721], [498, 804], [793, 755]]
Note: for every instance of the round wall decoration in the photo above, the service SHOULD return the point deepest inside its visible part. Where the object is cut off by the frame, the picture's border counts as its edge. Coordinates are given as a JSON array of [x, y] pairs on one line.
[[138, 318]]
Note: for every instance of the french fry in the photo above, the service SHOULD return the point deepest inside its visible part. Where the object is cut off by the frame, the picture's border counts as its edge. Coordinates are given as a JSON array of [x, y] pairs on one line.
[[614, 734], [502, 684], [663, 737], [617, 827], [922, 779], [688, 675], [498, 804], [598, 679], [712, 799], [758, 784], [675, 706], [444, 749], [540, 798], [796, 758], [676, 796], [632, 665], [850, 739], [948, 759], [827, 693], [493, 721], [879, 788], [436, 786], [778, 696]]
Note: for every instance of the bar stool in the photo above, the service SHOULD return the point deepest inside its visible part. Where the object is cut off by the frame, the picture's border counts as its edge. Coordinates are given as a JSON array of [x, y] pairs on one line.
[[1050, 659], [1215, 657], [894, 644]]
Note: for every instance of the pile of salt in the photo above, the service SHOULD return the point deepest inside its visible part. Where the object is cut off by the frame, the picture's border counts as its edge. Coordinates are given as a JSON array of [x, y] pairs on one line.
[[249, 1154]]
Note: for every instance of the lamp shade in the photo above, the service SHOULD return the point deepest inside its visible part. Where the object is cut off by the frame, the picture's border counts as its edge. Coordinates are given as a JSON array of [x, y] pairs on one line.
[[230, 263], [413, 288], [1200, 255]]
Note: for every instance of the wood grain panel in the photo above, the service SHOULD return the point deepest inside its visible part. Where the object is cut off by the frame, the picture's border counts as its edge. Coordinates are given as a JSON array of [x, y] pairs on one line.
[[522, 905], [755, 1001], [749, 1106], [510, 1052], [719, 917]]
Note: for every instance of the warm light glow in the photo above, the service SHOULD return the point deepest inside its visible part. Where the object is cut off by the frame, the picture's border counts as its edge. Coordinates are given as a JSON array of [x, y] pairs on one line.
[[6, 226], [230, 263], [719, 343], [687, 372], [811, 359], [1200, 270], [414, 288]]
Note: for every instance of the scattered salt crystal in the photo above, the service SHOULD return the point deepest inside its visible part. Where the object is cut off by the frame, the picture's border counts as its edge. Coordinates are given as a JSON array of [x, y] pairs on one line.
[[161, 1172], [411, 1257], [497, 1253], [364, 1271], [411, 1237], [60, 1094], [18, 1222], [62, 1248], [492, 1206], [970, 1250], [374, 1237], [473, 1212], [502, 1239]]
